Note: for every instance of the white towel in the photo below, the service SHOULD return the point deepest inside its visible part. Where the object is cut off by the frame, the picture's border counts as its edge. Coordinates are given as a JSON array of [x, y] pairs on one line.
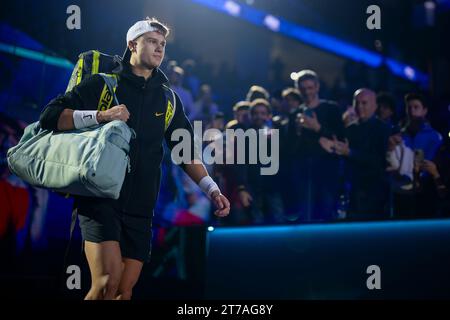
[[401, 160]]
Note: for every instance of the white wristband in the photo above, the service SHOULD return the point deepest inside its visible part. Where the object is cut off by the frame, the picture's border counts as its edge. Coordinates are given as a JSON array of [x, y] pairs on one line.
[[208, 186], [83, 119]]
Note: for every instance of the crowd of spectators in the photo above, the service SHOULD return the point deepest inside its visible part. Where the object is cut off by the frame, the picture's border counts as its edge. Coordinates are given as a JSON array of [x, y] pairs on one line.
[[371, 159]]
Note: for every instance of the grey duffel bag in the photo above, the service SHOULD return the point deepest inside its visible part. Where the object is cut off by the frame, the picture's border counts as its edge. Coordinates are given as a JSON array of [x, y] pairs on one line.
[[87, 162]]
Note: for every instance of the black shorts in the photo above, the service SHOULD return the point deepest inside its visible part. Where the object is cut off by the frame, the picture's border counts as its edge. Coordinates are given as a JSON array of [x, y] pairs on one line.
[[103, 222]]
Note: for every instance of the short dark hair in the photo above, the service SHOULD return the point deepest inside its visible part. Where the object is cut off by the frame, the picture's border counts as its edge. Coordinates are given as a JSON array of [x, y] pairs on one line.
[[386, 99], [306, 75], [260, 102], [416, 96], [257, 92], [241, 105], [292, 92]]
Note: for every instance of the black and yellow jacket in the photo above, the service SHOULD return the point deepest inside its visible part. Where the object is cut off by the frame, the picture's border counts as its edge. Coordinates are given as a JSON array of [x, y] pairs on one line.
[[147, 103]]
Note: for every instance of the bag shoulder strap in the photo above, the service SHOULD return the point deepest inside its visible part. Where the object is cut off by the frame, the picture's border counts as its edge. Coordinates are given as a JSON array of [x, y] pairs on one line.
[[171, 105], [108, 94]]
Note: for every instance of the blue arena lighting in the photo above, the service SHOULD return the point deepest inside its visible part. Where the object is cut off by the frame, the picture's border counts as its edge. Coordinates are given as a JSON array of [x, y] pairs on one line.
[[313, 38], [35, 55], [346, 227]]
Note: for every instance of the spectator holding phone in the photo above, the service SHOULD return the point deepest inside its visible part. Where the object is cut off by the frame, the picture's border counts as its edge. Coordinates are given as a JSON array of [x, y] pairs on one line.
[[314, 172], [364, 151], [410, 152]]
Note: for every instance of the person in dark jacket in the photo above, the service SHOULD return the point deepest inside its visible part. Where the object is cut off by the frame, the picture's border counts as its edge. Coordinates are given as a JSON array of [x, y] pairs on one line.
[[258, 192], [314, 173], [117, 233], [364, 149]]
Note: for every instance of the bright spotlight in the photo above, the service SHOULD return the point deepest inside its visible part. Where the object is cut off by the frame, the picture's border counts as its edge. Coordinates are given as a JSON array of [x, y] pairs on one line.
[[232, 8], [272, 23], [410, 73]]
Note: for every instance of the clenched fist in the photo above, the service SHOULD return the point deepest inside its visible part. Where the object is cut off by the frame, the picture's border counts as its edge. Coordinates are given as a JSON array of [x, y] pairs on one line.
[[222, 204], [119, 112]]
